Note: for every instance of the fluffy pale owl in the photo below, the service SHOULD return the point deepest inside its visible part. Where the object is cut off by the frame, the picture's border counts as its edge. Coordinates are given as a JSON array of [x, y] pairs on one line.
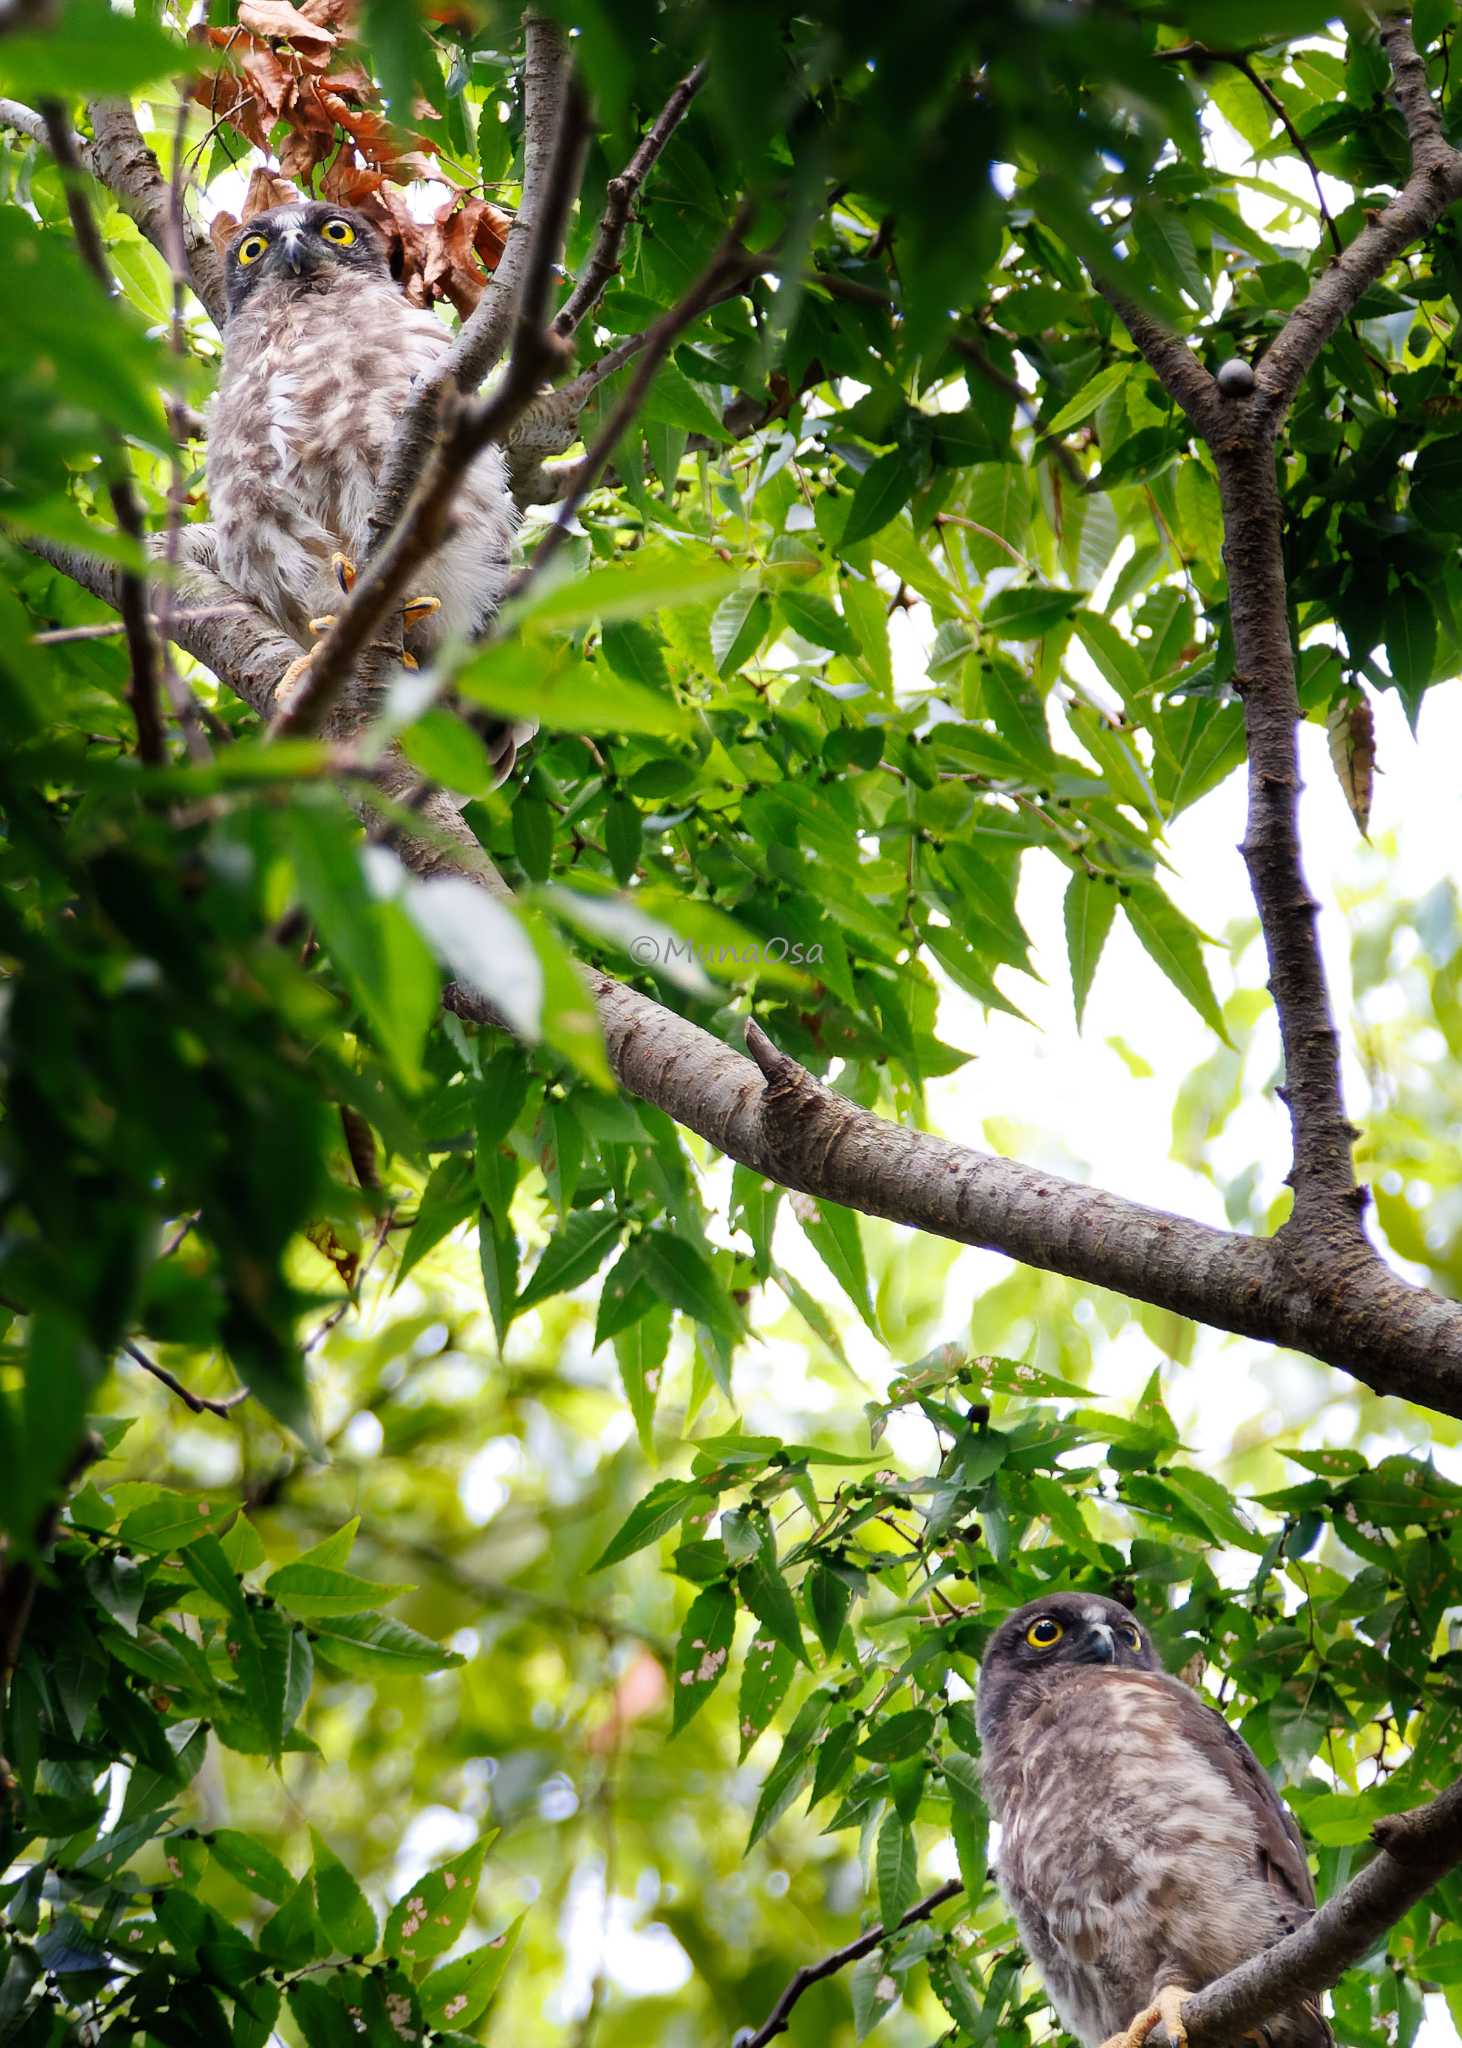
[[320, 351], [1143, 1850]]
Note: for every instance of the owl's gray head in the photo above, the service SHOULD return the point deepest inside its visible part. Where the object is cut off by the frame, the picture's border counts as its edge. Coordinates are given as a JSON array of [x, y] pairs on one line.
[[1062, 1632], [302, 246]]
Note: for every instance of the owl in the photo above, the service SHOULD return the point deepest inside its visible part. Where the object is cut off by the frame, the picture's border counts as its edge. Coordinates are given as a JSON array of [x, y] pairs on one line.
[[320, 351], [1143, 1850]]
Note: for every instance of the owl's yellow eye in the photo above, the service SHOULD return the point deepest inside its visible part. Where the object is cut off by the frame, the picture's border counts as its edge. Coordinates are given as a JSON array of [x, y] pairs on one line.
[[1133, 1638], [340, 232], [252, 248], [1043, 1632]]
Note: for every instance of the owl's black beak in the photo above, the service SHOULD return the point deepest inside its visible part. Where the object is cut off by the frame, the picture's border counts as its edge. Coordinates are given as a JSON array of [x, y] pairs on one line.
[[1098, 1645]]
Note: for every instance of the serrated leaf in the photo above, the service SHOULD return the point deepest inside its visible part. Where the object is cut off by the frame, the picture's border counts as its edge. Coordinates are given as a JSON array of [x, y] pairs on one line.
[[818, 621], [769, 1597], [175, 1521], [430, 1918], [1089, 908], [344, 1911], [292, 1935], [246, 1858], [374, 1643], [686, 1279], [577, 1248], [460, 1992], [314, 1589], [882, 492], [829, 1596], [739, 624], [702, 1652], [834, 1235], [1173, 942], [765, 1677], [873, 1991], [659, 1511], [897, 1865], [641, 1351]]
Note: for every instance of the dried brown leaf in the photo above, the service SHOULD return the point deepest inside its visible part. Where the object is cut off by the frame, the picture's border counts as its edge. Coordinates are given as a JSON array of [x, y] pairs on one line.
[[221, 231], [266, 189], [1351, 727], [279, 18]]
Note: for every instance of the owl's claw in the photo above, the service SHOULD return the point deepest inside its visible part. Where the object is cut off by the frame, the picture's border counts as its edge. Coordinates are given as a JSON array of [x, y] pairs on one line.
[[1166, 2010], [416, 609]]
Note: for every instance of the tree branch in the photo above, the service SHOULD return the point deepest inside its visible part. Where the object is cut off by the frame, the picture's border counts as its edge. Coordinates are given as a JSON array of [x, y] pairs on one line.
[[814, 1973], [200, 1404], [467, 428], [484, 334], [1415, 1850], [119, 159], [619, 197], [1350, 1312], [1169, 358], [1435, 184], [142, 685]]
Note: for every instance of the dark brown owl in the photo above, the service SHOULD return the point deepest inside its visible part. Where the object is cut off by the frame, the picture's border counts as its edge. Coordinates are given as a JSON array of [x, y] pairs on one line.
[[1143, 1850]]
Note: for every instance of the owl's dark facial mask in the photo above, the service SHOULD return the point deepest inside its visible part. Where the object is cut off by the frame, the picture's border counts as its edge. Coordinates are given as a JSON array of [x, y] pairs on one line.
[[302, 248], [1063, 1630]]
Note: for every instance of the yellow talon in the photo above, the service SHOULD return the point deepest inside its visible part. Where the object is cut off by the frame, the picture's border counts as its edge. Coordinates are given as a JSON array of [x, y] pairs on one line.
[[416, 609], [344, 573], [322, 624], [292, 674], [1167, 2009]]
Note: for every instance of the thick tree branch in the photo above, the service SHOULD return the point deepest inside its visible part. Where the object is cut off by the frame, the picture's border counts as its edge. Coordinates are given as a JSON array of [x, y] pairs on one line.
[[1415, 1850], [1169, 358], [620, 195], [777, 2019], [1350, 1312], [484, 334], [142, 685], [119, 159]]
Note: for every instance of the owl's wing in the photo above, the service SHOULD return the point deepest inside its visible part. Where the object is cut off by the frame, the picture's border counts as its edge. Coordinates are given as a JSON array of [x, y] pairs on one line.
[[1277, 1837]]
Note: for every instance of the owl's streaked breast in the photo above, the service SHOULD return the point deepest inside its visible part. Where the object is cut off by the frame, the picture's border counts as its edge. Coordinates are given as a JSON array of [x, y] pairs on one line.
[[313, 384]]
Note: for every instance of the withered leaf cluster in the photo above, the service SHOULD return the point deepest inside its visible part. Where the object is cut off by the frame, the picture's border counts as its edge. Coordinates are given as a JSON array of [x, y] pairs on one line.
[[297, 68]]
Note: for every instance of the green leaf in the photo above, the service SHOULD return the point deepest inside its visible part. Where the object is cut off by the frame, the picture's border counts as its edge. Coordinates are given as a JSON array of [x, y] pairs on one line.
[[659, 1511], [432, 1914], [765, 1677], [739, 624], [1173, 942], [686, 1280], [1411, 641], [897, 1865], [344, 1911], [768, 1596], [899, 1736], [829, 1596], [1090, 396], [1089, 907], [577, 1248], [702, 1652], [641, 1351], [314, 1589], [873, 1991], [835, 1236], [1029, 611], [246, 1858], [816, 620], [293, 1936], [370, 1643], [91, 50], [882, 492], [542, 679], [459, 1993], [174, 1522]]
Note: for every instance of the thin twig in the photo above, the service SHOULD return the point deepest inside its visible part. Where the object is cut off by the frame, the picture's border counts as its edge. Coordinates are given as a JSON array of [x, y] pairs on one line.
[[731, 265], [108, 629], [180, 696], [201, 1404], [142, 686], [619, 198], [814, 1973]]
